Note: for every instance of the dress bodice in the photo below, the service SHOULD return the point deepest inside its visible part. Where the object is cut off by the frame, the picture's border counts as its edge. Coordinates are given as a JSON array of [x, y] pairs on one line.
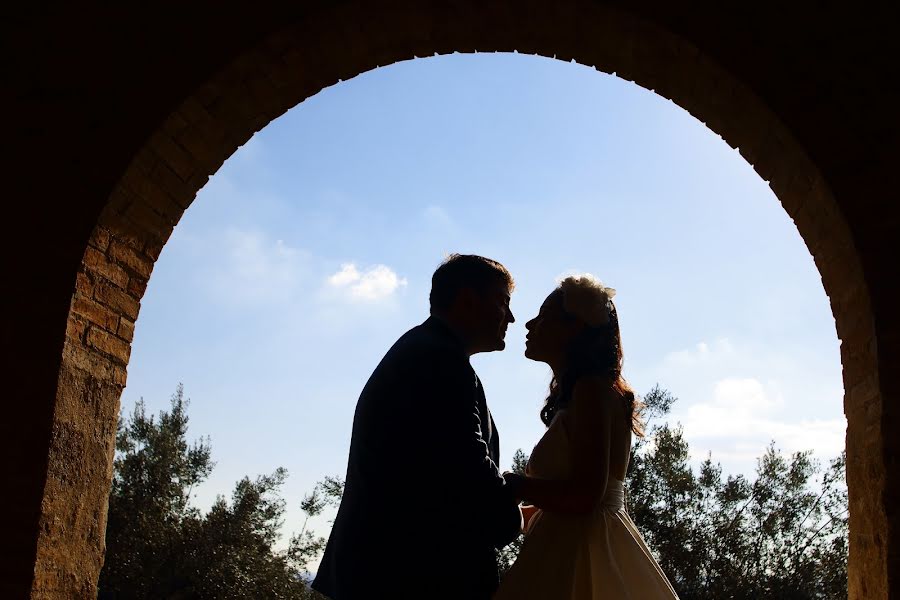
[[551, 458]]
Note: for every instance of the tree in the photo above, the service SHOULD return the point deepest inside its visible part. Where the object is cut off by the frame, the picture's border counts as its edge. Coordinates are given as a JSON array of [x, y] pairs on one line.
[[153, 474], [507, 555], [783, 535], [159, 546]]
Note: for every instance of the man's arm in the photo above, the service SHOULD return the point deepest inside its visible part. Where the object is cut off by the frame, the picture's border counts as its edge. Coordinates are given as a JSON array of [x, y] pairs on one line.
[[462, 456]]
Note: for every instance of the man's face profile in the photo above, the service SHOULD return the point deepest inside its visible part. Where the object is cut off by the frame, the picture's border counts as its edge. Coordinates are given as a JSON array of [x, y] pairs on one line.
[[494, 316]]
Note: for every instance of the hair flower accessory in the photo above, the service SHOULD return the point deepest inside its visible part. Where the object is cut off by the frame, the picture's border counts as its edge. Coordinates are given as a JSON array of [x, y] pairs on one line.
[[587, 298]]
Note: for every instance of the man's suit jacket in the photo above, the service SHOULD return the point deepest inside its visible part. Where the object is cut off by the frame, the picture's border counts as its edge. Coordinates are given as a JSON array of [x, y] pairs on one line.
[[424, 506]]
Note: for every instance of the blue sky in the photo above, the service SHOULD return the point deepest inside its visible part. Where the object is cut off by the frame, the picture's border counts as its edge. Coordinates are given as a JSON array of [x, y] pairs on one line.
[[312, 249]]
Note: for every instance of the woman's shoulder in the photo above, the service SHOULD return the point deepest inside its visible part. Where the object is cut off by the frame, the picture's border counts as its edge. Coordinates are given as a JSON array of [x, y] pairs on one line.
[[597, 390], [595, 384]]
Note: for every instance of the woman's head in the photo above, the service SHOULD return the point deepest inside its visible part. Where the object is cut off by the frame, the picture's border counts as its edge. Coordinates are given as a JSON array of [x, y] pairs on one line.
[[577, 328], [577, 333]]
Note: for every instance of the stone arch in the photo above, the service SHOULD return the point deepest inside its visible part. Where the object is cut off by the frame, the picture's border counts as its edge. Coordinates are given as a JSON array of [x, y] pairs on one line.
[[296, 62]]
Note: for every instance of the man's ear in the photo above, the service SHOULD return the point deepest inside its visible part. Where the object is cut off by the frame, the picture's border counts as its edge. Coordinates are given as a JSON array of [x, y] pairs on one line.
[[468, 298]]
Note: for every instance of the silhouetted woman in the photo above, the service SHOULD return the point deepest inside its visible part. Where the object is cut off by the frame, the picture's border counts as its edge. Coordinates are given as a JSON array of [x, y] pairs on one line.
[[580, 544]]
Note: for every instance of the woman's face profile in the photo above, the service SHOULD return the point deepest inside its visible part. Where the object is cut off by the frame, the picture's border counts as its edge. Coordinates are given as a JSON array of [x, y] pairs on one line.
[[551, 332]]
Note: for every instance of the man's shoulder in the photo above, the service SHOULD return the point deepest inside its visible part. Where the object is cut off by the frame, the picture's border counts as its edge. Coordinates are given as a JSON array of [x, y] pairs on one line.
[[430, 340], [427, 351]]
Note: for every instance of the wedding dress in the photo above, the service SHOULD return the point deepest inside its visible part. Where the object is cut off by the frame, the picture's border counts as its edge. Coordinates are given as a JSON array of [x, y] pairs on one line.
[[596, 556]]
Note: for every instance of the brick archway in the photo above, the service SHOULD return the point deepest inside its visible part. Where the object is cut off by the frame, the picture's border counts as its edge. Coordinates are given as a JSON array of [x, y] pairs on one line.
[[327, 46]]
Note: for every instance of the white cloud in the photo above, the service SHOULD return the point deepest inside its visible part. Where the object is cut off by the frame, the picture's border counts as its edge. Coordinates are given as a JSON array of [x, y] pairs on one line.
[[745, 415], [701, 353], [757, 395], [348, 275], [738, 409], [372, 285]]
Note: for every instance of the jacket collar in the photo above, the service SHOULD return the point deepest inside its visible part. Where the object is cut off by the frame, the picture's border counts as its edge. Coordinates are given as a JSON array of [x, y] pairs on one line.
[[437, 325]]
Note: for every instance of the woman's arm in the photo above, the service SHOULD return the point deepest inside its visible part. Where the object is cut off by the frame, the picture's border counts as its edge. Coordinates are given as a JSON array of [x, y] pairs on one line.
[[593, 406]]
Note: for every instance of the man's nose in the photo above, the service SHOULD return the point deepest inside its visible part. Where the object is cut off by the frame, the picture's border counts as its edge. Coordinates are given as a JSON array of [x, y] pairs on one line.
[[512, 319]]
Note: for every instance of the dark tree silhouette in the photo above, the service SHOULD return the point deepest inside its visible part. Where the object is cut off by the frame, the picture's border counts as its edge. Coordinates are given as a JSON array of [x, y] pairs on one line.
[[782, 535], [159, 546]]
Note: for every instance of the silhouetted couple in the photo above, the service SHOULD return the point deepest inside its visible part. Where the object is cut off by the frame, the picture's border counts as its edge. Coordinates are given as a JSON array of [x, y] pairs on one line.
[[425, 508]]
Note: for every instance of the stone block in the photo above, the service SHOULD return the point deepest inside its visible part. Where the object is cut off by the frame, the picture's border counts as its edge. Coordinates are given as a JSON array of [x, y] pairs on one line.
[[132, 260], [95, 313], [117, 299], [126, 330], [98, 264], [109, 344], [169, 152]]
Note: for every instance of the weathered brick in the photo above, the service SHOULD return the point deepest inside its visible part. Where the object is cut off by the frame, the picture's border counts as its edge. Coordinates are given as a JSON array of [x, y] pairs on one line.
[[98, 263], [96, 313], [175, 124], [149, 221], [84, 358], [83, 284], [166, 206], [154, 248], [137, 286], [117, 299], [178, 159], [75, 328], [166, 178], [126, 329], [109, 344], [206, 152], [128, 257], [100, 239]]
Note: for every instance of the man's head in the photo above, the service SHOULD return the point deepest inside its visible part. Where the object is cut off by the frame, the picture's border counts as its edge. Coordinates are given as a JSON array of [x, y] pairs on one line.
[[471, 293]]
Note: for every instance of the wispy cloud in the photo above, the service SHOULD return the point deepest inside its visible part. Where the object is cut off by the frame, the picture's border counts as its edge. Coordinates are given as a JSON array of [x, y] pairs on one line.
[[374, 284], [744, 415], [258, 269], [749, 403], [437, 215], [703, 353]]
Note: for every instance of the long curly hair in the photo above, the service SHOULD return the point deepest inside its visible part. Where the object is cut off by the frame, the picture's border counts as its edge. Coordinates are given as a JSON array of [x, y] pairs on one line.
[[597, 350]]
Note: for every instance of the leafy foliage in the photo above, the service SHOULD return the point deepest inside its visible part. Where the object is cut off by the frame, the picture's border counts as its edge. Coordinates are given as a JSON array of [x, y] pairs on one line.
[[508, 555], [782, 535], [158, 546]]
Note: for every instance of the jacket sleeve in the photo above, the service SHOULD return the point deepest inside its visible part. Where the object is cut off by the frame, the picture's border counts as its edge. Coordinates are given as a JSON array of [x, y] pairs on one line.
[[480, 501]]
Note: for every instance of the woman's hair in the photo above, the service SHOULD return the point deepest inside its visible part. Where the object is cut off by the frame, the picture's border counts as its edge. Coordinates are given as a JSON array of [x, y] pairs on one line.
[[597, 350]]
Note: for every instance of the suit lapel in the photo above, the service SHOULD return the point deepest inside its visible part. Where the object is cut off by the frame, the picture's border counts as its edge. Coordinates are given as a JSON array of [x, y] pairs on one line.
[[488, 428]]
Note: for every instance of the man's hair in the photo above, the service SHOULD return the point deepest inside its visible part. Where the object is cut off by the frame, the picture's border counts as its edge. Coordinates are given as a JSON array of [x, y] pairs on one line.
[[460, 271]]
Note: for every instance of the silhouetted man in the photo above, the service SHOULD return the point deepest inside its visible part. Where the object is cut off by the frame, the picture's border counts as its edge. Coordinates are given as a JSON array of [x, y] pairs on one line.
[[424, 508]]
